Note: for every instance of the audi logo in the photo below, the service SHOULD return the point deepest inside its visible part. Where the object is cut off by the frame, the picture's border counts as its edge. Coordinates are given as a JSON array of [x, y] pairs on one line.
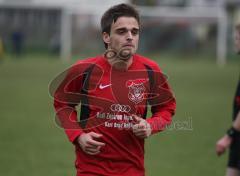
[[120, 108]]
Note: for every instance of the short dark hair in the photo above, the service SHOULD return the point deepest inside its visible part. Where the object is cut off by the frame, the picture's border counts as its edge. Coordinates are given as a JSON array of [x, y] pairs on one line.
[[113, 13]]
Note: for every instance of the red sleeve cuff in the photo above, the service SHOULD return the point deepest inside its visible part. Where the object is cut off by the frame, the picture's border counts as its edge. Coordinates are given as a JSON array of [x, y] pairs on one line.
[[73, 134], [159, 123]]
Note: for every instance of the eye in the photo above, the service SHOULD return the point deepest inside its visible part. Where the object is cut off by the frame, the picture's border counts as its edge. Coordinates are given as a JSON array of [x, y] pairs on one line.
[[135, 32], [121, 31]]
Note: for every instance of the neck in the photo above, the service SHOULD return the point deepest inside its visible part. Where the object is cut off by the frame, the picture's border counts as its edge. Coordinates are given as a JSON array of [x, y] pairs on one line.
[[120, 64]]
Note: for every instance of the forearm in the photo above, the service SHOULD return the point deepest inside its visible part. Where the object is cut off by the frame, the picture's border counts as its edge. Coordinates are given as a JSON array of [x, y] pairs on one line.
[[66, 118], [66, 98], [162, 116], [158, 122]]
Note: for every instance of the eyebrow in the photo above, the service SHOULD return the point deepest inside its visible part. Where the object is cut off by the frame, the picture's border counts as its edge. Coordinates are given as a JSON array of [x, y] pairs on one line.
[[123, 28]]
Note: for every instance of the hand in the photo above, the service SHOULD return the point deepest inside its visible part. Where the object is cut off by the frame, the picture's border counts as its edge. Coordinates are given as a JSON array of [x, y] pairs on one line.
[[142, 128], [223, 144], [88, 143]]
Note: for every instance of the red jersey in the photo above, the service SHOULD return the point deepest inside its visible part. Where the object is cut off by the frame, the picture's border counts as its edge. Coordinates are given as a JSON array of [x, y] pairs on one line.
[[108, 99]]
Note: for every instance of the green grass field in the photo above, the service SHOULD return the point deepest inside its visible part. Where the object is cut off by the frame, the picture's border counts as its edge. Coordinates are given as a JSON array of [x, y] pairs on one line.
[[32, 145]]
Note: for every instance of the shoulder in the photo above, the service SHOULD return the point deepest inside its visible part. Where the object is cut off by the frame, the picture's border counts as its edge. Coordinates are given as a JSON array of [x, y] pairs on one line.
[[84, 65], [147, 62], [90, 60]]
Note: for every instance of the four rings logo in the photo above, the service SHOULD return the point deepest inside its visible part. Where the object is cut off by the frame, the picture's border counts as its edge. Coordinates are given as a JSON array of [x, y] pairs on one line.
[[120, 108]]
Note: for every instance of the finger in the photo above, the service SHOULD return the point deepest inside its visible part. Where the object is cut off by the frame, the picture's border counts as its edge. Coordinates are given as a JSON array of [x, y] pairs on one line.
[[91, 149], [93, 142], [219, 153], [140, 133], [95, 135], [92, 153], [219, 150], [134, 127], [139, 127], [136, 119], [141, 136]]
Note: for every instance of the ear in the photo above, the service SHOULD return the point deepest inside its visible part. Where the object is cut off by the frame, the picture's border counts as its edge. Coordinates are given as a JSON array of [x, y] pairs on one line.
[[106, 37]]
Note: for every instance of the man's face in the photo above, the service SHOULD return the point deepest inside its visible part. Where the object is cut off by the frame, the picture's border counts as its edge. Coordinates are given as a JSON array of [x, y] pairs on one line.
[[124, 35], [237, 41]]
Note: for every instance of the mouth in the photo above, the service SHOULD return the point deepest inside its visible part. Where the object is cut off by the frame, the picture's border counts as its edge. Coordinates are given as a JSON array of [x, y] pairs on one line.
[[128, 45]]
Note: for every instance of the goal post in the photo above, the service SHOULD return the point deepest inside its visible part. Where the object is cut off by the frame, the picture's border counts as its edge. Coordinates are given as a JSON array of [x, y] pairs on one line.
[[217, 15]]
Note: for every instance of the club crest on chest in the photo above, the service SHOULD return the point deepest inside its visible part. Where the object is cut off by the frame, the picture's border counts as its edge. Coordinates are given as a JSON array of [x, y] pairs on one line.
[[136, 90]]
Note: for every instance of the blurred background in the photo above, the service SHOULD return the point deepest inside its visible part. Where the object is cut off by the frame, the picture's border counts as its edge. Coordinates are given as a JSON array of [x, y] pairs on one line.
[[192, 41], [70, 27]]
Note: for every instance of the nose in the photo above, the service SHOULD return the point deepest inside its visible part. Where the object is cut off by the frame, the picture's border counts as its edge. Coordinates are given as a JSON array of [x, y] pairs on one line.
[[129, 36]]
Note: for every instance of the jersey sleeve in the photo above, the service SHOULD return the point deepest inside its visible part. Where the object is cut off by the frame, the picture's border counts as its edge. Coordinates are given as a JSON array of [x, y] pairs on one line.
[[236, 103], [66, 97], [162, 101]]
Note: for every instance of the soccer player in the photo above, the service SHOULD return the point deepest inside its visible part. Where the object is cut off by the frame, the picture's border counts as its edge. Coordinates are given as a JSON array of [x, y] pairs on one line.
[[232, 139], [114, 90]]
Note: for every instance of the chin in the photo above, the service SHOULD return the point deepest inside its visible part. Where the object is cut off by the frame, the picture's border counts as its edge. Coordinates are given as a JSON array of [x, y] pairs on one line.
[[125, 54]]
